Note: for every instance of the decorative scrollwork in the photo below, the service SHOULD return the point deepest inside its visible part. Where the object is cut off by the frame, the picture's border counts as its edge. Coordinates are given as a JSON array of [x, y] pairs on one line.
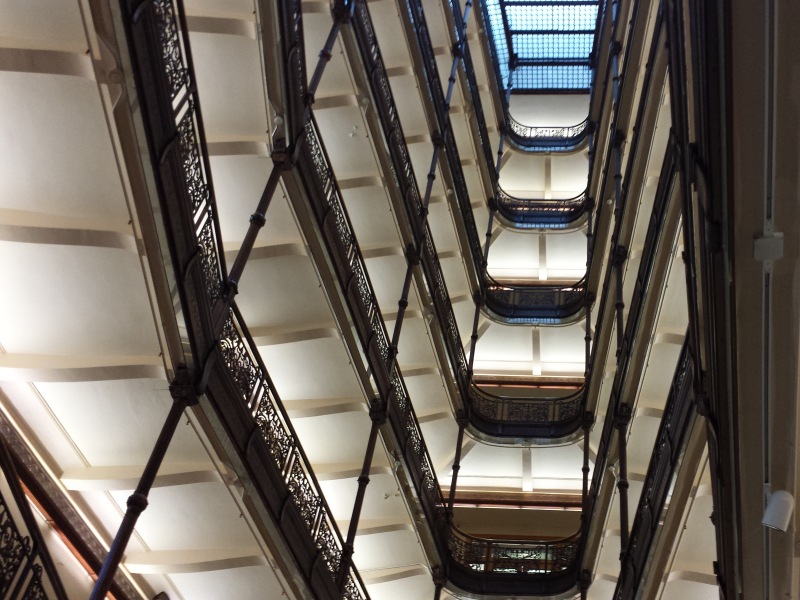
[[14, 548], [567, 135], [171, 53], [35, 589], [549, 214], [330, 551], [304, 496], [496, 556], [238, 359], [528, 411]]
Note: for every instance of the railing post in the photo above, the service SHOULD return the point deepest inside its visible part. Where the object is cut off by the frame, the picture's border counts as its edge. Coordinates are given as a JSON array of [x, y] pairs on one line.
[[183, 395], [462, 423], [377, 412], [588, 421], [439, 581], [621, 420], [584, 582], [620, 256]]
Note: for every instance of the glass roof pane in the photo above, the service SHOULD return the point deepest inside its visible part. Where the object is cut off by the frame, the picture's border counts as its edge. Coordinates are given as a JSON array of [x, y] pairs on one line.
[[547, 48], [558, 17], [545, 42]]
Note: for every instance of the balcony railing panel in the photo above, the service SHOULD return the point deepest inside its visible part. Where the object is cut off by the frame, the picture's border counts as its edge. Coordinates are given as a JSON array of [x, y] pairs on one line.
[[528, 213], [236, 379]]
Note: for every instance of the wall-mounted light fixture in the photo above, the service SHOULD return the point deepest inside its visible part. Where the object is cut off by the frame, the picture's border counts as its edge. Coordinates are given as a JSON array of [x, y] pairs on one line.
[[778, 513]]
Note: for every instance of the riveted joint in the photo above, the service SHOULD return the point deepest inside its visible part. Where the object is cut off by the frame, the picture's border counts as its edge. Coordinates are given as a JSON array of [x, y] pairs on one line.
[[492, 204], [702, 404], [616, 47], [585, 580], [391, 354], [457, 50], [620, 254], [439, 578], [619, 138], [412, 255], [461, 418], [342, 10], [137, 502], [377, 410], [588, 419], [478, 299], [181, 389], [622, 416], [437, 138], [281, 157], [258, 219]]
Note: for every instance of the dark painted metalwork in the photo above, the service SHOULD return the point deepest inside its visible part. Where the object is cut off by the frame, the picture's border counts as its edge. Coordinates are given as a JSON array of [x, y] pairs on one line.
[[255, 394], [702, 46], [183, 395], [532, 138], [24, 558], [531, 213], [228, 364], [549, 417], [54, 504], [377, 413], [621, 422], [537, 297], [679, 414], [462, 423], [548, 304], [328, 207], [491, 414]]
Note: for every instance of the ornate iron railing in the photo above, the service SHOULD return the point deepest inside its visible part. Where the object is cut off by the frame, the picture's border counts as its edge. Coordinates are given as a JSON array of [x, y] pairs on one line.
[[526, 417], [329, 209], [521, 409], [238, 381], [452, 161], [24, 559], [513, 556], [527, 137], [529, 213], [671, 440], [540, 305], [546, 139]]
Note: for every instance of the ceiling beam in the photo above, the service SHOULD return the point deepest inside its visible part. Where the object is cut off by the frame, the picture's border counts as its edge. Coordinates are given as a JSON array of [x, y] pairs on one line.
[[126, 477], [166, 562], [57, 368]]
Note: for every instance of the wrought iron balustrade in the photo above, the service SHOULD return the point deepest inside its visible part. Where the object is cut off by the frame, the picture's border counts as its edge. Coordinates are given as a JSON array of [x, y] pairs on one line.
[[523, 567], [27, 571], [552, 417], [533, 138], [502, 310], [405, 180], [671, 439], [541, 304], [238, 382], [509, 556], [529, 213]]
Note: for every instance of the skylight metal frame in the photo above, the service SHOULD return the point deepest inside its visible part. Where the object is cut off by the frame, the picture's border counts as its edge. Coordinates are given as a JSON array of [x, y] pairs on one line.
[[548, 52]]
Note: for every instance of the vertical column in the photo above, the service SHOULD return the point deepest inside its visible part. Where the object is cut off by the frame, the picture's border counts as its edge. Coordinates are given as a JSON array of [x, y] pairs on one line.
[[183, 395], [377, 412], [621, 420]]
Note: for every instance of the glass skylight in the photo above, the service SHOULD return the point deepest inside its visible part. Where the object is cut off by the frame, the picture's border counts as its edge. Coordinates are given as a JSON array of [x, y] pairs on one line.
[[544, 45]]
